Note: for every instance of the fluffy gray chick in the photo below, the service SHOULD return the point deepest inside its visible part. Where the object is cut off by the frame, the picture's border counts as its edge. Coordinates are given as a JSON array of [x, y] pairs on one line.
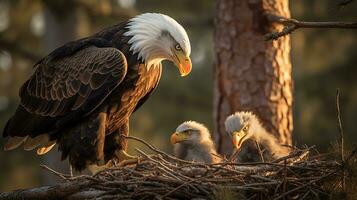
[[245, 125], [192, 142]]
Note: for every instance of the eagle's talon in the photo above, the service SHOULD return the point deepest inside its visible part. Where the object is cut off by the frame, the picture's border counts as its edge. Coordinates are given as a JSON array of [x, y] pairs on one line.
[[123, 158], [123, 155], [135, 160], [95, 169]]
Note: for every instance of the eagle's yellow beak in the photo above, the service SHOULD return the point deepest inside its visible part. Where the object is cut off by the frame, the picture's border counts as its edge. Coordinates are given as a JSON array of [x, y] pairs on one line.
[[178, 137], [238, 138], [183, 63]]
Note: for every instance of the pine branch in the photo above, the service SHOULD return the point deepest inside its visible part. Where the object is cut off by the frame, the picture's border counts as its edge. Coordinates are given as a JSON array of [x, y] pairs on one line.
[[290, 25]]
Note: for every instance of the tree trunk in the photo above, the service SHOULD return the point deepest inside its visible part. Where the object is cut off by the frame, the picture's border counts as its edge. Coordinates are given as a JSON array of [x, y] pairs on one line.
[[250, 73]]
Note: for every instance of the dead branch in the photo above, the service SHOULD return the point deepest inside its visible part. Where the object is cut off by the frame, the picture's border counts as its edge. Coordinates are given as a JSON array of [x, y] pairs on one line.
[[260, 151], [339, 123], [291, 25], [63, 176]]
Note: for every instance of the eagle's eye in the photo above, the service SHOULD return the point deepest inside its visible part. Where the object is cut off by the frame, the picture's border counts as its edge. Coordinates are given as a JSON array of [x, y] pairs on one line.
[[245, 129], [188, 132], [178, 47]]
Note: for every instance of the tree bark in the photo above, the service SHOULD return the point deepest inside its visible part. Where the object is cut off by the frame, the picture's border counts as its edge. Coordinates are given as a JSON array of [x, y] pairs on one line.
[[251, 73]]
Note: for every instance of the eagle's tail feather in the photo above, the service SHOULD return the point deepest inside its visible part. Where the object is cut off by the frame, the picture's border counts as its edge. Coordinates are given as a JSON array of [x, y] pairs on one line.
[[14, 142], [32, 143], [46, 148]]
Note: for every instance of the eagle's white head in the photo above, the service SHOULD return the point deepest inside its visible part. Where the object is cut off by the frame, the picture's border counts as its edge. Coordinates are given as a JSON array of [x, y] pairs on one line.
[[156, 37]]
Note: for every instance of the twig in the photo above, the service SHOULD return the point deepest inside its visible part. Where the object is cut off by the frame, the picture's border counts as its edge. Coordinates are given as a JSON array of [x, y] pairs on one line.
[[70, 170], [291, 25], [339, 123], [305, 185], [59, 174], [234, 155], [157, 150], [177, 188], [68, 177], [305, 195], [285, 177], [260, 151], [293, 155], [166, 169]]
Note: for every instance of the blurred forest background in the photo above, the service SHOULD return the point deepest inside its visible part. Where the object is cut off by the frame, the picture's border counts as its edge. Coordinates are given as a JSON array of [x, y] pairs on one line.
[[323, 60]]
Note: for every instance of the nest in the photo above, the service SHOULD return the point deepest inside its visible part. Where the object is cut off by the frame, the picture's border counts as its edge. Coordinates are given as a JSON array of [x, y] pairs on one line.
[[304, 174], [161, 176]]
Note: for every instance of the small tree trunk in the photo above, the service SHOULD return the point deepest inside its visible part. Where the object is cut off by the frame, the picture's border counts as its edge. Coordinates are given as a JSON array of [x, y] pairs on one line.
[[250, 73]]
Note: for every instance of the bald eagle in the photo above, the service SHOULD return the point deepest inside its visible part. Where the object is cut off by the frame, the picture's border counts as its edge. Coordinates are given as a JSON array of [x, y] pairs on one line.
[[82, 95], [245, 125], [192, 141]]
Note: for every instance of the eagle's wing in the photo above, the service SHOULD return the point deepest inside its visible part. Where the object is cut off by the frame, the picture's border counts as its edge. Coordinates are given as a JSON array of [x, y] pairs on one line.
[[80, 81], [65, 88]]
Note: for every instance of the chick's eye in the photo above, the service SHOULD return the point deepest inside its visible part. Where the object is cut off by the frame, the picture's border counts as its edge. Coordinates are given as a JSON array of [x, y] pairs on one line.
[[178, 47]]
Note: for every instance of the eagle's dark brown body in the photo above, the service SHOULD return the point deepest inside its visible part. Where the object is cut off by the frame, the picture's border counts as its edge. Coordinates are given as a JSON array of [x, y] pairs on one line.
[[82, 96]]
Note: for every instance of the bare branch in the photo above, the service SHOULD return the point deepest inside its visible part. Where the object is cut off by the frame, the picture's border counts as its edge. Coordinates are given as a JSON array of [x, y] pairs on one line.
[[63, 176], [339, 122], [291, 25], [260, 151]]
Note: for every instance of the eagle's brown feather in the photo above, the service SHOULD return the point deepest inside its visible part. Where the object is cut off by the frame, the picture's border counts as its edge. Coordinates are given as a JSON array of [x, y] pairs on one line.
[[32, 143], [58, 83]]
